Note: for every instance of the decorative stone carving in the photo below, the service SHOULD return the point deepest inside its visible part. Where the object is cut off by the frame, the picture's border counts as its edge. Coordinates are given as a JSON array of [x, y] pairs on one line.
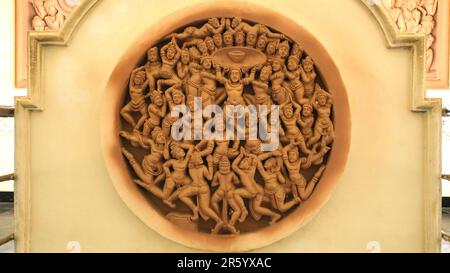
[[36, 15], [51, 14], [417, 16], [222, 186]]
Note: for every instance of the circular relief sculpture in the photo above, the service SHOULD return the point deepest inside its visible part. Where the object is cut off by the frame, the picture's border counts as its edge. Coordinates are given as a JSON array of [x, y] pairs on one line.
[[227, 127]]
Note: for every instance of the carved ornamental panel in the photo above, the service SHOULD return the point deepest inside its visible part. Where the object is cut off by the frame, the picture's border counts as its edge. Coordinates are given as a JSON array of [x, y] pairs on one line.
[[226, 184], [37, 15], [430, 18]]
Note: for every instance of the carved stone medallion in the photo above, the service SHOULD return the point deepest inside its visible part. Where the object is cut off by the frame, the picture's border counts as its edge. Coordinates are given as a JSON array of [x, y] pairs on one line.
[[227, 186]]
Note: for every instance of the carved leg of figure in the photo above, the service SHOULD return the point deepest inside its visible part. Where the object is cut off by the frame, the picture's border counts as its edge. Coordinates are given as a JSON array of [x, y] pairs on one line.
[[152, 76], [294, 191], [316, 136], [219, 92], [284, 140], [192, 90], [143, 118], [256, 202], [148, 127], [204, 200], [166, 126], [186, 181], [168, 187], [126, 114], [180, 36], [306, 192], [147, 178], [216, 198], [236, 213], [160, 178], [307, 138], [299, 93], [185, 197], [238, 196], [302, 145], [168, 82], [330, 137], [169, 200], [282, 206], [150, 187]]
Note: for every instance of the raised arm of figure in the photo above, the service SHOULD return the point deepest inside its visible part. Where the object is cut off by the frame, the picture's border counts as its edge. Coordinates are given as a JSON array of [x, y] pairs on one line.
[[201, 145], [133, 75], [168, 95], [221, 27], [209, 171], [265, 30], [247, 80], [261, 170], [236, 144], [266, 155], [285, 156], [163, 51], [297, 107], [174, 42], [302, 73], [219, 74], [190, 148], [209, 148], [228, 25], [235, 164]]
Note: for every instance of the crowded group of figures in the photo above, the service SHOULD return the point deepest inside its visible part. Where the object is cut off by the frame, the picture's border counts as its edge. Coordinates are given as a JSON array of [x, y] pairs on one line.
[[215, 179]]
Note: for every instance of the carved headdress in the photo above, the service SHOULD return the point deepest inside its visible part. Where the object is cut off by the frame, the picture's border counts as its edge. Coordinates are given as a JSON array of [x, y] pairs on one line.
[[175, 149], [295, 58], [156, 131], [224, 162], [285, 43], [264, 38], [308, 60], [296, 50], [154, 93]]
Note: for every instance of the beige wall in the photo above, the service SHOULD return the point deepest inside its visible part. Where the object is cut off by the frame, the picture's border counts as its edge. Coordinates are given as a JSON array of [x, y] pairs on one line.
[[379, 198]]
